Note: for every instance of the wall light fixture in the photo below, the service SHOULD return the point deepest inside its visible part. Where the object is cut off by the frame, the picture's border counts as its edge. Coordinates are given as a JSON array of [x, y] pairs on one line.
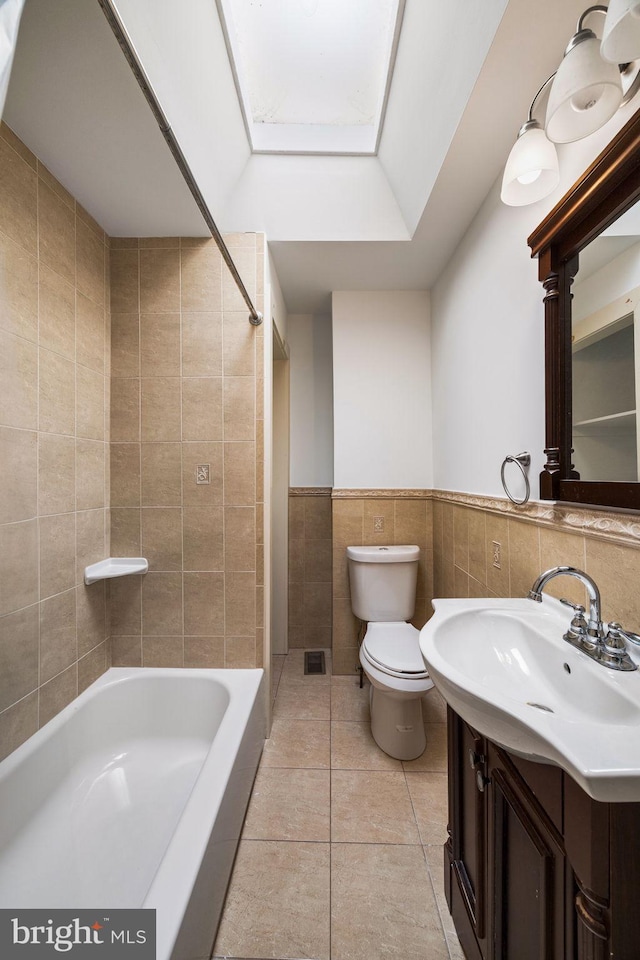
[[532, 170], [593, 80]]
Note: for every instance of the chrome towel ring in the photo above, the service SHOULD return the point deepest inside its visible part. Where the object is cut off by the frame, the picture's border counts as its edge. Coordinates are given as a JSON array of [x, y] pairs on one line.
[[523, 460]]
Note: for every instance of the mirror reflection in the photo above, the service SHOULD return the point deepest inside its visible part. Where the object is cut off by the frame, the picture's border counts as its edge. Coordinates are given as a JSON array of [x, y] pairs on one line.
[[606, 353]]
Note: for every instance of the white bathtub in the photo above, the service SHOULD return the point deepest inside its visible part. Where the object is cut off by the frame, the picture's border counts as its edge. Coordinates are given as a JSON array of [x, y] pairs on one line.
[[134, 796]]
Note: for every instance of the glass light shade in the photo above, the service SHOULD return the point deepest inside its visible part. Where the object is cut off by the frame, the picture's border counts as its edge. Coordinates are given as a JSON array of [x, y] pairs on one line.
[[586, 92], [531, 172], [621, 36]]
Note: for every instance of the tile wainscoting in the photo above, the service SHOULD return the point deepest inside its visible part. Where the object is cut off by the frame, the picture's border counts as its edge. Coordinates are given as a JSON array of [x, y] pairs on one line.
[[605, 544], [373, 517], [310, 574], [458, 534]]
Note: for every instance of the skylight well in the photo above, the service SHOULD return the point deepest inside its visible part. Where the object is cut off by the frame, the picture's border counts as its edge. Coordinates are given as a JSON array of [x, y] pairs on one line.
[[312, 75]]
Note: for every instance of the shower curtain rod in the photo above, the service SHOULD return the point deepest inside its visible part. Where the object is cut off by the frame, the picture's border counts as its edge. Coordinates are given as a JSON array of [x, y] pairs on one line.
[[128, 48]]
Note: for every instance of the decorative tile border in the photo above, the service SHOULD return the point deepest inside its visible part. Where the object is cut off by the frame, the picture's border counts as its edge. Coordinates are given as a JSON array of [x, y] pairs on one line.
[[386, 494], [615, 525], [620, 527]]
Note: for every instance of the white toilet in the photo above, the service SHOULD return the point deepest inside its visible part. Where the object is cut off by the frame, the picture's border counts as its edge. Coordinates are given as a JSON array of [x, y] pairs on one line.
[[383, 592]]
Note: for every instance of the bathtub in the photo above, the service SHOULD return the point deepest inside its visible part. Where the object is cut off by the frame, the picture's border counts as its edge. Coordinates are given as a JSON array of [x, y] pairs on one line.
[[134, 796]]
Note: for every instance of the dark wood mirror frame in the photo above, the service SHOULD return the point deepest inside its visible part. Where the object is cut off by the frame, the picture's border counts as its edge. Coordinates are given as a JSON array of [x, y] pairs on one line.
[[606, 190]]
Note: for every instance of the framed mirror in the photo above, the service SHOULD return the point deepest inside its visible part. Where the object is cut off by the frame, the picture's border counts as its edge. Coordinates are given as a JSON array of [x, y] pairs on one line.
[[588, 248]]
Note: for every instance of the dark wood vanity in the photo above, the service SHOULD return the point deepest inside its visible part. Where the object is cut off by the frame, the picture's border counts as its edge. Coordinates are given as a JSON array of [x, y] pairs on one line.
[[534, 868]]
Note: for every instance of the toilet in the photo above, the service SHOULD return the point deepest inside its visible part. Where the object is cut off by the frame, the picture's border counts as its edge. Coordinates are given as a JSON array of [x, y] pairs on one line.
[[383, 593]]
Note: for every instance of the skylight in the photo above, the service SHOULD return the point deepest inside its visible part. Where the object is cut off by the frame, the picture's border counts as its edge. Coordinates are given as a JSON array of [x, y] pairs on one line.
[[312, 75]]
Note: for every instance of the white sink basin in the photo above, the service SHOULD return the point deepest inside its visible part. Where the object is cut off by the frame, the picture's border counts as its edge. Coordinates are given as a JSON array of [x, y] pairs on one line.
[[505, 669]]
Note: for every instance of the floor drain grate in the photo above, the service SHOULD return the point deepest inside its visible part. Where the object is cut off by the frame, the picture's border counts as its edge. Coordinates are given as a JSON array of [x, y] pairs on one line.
[[314, 661]]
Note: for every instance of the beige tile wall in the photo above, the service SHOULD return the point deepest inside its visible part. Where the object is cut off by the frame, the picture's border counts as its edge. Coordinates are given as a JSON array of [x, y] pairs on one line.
[[405, 519], [54, 433], [458, 540], [310, 567], [463, 551], [187, 388]]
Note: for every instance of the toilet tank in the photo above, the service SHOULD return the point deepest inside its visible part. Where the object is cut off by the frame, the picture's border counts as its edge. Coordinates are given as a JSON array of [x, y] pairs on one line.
[[383, 582]]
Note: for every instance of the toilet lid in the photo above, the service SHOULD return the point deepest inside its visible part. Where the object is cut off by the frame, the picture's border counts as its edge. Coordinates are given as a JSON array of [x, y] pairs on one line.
[[394, 648]]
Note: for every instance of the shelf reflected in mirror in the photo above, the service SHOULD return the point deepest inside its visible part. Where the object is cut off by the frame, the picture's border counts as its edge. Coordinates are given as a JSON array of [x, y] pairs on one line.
[[605, 343]]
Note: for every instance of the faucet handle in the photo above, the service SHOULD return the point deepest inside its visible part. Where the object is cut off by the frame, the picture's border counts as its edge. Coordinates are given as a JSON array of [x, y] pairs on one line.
[[579, 620], [615, 637], [624, 634], [577, 632], [574, 606], [613, 650]]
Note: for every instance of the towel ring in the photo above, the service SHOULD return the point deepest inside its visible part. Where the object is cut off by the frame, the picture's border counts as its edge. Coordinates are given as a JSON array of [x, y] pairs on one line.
[[523, 460]]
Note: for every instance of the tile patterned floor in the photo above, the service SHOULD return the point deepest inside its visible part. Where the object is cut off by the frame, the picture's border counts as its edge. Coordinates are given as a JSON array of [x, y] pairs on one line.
[[341, 853]]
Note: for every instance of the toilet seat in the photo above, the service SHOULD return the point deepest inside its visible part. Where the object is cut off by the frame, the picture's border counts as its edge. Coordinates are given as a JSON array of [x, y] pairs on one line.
[[393, 648]]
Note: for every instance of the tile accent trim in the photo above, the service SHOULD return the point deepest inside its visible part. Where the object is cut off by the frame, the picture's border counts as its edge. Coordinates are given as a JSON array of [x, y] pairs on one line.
[[310, 491], [615, 525], [619, 527], [386, 494]]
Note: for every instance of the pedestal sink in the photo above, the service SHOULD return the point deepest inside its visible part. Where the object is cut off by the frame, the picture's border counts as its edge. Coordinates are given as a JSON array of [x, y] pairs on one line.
[[504, 668]]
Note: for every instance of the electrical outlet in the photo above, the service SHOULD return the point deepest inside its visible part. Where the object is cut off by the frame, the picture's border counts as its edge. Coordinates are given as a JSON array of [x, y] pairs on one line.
[[497, 553], [378, 524]]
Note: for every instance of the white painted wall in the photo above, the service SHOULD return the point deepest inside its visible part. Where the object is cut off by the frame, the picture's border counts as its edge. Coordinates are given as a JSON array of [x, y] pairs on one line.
[[276, 299], [432, 81], [488, 339], [381, 389], [311, 404]]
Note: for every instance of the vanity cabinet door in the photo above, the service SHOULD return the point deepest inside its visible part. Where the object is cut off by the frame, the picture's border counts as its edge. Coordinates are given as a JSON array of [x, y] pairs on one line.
[[465, 850], [527, 881]]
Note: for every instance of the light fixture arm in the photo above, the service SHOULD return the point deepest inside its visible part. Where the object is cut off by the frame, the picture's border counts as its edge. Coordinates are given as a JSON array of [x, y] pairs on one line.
[[598, 7], [582, 32], [542, 88]]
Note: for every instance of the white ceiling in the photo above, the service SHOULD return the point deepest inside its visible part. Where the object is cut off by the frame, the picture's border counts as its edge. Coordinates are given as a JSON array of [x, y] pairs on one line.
[[465, 75], [74, 101]]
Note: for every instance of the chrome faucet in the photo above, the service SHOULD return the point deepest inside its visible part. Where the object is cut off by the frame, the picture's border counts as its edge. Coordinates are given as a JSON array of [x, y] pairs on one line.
[[605, 644], [595, 626]]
